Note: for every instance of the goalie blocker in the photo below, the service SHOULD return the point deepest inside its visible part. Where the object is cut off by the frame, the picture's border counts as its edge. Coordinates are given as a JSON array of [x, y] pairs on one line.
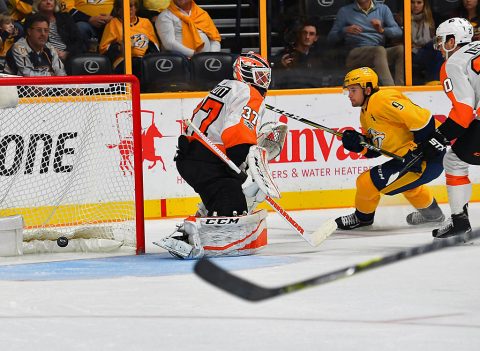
[[218, 236]]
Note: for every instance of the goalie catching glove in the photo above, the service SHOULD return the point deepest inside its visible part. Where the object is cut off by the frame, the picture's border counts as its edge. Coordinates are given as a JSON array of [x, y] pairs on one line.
[[259, 183]]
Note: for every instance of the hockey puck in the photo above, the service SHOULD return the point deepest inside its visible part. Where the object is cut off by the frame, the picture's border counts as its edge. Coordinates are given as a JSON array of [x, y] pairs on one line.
[[62, 241]]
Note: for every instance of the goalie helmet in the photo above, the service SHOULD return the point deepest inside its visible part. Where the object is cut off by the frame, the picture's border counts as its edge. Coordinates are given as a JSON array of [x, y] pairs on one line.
[[459, 28], [364, 76], [252, 69]]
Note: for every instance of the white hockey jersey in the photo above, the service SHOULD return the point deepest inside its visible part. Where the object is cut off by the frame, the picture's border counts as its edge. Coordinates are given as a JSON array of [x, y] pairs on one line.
[[461, 82], [229, 115]]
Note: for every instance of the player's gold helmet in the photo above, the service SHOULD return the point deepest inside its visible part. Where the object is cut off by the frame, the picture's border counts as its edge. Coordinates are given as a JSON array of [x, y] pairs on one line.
[[364, 76]]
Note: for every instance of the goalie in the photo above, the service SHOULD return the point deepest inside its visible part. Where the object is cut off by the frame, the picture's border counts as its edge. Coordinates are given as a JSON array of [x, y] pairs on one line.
[[230, 115]]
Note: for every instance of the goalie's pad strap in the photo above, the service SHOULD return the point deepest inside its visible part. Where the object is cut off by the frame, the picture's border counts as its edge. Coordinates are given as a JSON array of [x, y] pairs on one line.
[[227, 236], [260, 172]]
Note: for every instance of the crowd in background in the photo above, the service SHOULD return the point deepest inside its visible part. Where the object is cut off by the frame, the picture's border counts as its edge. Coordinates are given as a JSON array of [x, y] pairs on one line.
[[39, 38]]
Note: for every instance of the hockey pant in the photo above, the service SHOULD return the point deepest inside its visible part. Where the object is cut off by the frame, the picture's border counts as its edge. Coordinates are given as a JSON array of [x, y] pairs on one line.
[[373, 183], [219, 187]]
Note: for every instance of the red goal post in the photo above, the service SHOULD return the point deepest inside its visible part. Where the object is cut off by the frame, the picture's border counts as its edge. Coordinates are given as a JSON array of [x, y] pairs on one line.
[[71, 161]]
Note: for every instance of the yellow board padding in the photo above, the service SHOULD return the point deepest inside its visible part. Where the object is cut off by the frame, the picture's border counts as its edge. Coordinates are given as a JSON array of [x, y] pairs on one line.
[[70, 215], [305, 200], [179, 207]]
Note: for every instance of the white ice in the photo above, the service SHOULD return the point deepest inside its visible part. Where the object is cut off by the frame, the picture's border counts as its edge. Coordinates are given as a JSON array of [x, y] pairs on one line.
[[431, 302]]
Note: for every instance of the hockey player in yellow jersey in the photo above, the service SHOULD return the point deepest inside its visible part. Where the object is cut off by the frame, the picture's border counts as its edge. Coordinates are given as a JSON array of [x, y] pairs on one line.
[[390, 121]]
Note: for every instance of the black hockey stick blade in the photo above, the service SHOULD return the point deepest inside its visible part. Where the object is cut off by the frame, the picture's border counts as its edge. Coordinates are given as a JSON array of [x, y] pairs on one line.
[[247, 290]]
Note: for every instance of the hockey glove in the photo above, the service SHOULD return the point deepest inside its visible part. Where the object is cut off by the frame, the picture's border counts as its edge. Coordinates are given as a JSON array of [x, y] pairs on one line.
[[435, 144], [413, 161], [253, 194], [352, 140]]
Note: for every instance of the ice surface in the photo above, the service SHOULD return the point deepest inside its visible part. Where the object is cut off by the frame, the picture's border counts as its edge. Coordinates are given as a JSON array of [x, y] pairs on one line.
[[154, 302]]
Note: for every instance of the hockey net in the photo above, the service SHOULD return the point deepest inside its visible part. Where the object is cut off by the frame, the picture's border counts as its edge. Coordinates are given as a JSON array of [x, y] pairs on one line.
[[71, 164]]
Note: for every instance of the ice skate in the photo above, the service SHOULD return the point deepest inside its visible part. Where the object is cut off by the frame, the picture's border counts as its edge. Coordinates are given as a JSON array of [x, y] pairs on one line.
[[458, 225], [431, 214], [351, 221]]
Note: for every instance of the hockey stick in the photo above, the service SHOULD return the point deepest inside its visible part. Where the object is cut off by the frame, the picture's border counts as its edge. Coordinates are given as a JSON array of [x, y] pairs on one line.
[[331, 131], [253, 292], [405, 169], [314, 239]]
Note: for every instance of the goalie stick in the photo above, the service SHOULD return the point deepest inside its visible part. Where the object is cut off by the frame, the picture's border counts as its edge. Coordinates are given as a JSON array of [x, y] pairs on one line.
[[247, 290], [331, 131], [314, 239]]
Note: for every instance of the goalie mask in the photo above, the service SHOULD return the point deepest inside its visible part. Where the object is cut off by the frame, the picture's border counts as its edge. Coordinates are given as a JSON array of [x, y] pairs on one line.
[[252, 69], [459, 28]]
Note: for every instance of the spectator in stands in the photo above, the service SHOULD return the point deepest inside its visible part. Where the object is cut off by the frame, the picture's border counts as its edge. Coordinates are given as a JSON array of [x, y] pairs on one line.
[[34, 55], [300, 59], [19, 8], [470, 10], [365, 25], [9, 34], [3, 7], [300, 53], [142, 38], [91, 18], [186, 28], [426, 61], [64, 35], [151, 8]]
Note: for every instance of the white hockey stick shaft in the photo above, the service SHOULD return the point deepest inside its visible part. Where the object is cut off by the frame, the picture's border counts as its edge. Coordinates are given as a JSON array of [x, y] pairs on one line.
[[317, 237]]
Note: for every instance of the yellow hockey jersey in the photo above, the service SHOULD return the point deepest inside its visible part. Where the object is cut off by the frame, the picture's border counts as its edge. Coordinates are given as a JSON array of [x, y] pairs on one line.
[[141, 34], [389, 118], [89, 7]]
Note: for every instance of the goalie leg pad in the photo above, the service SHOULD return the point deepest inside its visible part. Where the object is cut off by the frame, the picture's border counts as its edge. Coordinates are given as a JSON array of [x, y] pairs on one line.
[[218, 236], [232, 236]]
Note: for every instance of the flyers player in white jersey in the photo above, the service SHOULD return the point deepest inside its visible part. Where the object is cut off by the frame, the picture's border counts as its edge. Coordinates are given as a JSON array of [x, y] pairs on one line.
[[461, 82], [229, 116]]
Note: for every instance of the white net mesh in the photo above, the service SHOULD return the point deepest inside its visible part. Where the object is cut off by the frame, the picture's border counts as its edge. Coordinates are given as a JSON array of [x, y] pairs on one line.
[[67, 162]]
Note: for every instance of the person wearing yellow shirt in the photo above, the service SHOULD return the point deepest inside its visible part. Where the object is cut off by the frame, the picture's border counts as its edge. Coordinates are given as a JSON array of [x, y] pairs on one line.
[[90, 16], [142, 38], [390, 121], [186, 28]]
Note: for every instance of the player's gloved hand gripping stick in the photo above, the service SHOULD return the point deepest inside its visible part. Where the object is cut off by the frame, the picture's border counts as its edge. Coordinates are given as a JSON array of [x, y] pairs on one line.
[[331, 131], [314, 238]]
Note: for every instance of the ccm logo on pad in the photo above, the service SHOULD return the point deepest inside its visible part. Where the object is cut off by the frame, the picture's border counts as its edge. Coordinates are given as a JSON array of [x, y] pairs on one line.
[[222, 221]]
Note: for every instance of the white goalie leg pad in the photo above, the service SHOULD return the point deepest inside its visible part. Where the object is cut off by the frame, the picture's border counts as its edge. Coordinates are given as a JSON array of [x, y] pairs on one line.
[[220, 236], [259, 171], [8, 94], [271, 136], [230, 236]]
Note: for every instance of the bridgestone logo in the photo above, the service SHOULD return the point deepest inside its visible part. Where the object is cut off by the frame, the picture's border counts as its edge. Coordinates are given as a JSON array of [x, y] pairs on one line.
[[14, 145]]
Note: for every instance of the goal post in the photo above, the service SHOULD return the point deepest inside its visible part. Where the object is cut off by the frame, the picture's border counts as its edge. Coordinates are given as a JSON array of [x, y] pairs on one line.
[[71, 162]]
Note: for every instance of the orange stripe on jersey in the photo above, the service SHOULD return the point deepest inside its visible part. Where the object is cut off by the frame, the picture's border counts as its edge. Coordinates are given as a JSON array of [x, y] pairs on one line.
[[457, 180], [461, 113], [244, 132]]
